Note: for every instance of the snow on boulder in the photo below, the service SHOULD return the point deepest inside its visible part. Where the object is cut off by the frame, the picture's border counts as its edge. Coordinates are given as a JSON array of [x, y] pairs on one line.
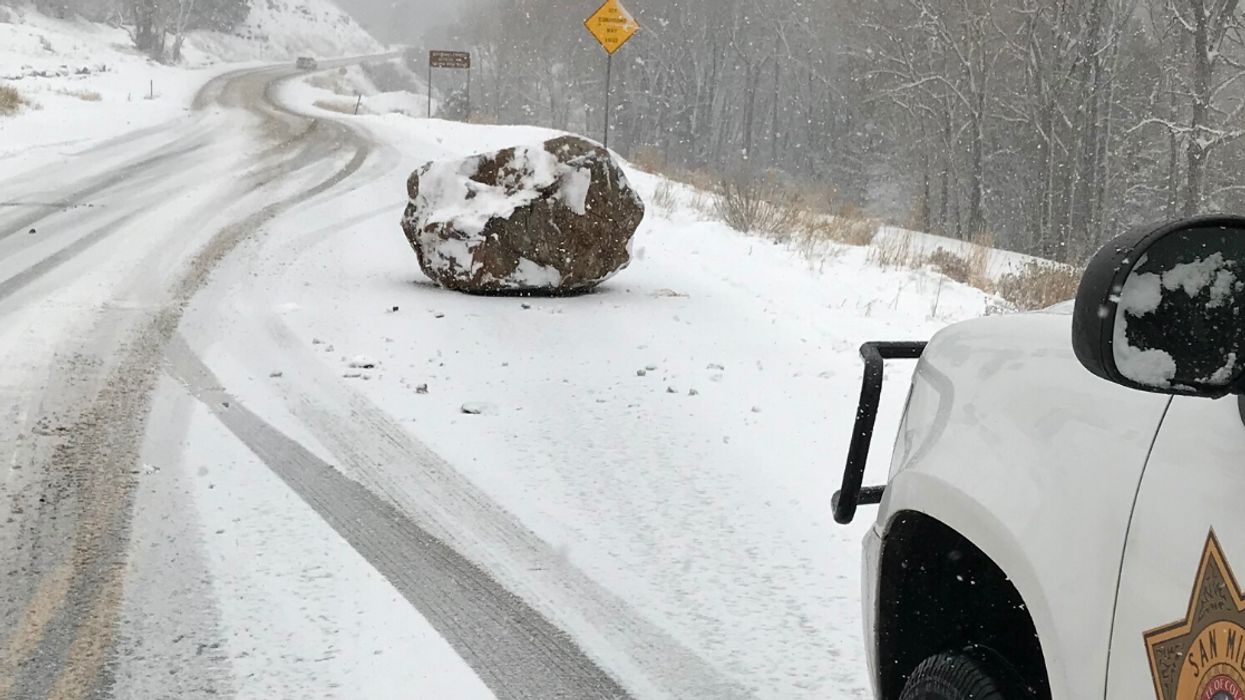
[[547, 218]]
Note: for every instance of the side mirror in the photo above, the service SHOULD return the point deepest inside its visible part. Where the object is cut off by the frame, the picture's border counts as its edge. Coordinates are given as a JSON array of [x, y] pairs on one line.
[[1160, 308]]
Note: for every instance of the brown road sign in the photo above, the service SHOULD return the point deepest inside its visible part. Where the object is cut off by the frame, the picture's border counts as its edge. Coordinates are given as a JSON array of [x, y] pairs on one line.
[[612, 25], [449, 59]]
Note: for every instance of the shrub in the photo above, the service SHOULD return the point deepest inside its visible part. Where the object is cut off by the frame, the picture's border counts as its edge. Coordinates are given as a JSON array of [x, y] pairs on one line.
[[956, 267], [762, 204], [10, 100], [1039, 284], [336, 106], [664, 196], [844, 228], [895, 251], [84, 95]]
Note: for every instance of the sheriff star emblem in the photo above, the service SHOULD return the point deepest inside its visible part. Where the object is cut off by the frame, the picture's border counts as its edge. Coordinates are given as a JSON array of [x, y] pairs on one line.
[[1201, 657]]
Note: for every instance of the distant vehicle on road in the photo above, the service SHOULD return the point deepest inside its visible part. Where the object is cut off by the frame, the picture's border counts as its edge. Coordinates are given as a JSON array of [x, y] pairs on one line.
[[1063, 509], [306, 63]]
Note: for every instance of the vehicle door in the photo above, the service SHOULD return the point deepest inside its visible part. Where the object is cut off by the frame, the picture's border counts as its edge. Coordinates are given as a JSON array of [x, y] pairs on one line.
[[1179, 631]]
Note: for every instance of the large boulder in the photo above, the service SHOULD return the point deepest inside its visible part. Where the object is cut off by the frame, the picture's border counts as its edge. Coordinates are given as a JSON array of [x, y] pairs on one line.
[[549, 218]]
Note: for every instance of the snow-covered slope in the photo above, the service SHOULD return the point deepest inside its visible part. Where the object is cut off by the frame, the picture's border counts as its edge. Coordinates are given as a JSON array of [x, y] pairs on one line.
[[84, 81], [278, 30]]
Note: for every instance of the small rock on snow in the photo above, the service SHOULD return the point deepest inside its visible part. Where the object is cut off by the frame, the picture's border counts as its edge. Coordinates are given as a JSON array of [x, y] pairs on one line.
[[715, 366], [756, 409], [363, 362], [421, 389], [670, 390], [276, 374], [438, 315], [526, 306], [651, 368], [317, 341], [479, 409], [641, 372], [693, 392]]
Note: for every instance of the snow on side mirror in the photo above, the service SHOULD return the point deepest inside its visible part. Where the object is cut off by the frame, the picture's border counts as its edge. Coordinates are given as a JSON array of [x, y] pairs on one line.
[[1160, 308]]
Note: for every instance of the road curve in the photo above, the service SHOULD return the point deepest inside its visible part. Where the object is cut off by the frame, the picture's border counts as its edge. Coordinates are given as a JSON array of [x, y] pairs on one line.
[[99, 257]]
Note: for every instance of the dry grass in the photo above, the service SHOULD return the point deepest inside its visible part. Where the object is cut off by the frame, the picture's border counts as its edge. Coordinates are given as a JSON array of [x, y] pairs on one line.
[[336, 106], [979, 258], [10, 100], [484, 119], [664, 197], [702, 202], [956, 267], [844, 228], [825, 238], [1039, 284], [84, 95], [896, 251], [763, 204], [650, 159], [702, 179]]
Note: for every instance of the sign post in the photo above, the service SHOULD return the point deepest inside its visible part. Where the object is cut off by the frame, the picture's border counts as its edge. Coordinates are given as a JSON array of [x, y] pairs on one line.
[[449, 59], [612, 25]]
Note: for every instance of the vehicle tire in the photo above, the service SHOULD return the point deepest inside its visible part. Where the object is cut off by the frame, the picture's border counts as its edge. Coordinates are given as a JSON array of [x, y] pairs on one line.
[[959, 676]]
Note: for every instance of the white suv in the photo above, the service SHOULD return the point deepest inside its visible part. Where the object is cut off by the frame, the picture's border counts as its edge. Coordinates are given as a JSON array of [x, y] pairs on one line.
[[1067, 494]]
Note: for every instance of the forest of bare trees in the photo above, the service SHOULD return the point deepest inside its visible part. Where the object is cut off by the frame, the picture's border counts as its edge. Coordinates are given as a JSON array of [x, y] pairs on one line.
[[1046, 124]]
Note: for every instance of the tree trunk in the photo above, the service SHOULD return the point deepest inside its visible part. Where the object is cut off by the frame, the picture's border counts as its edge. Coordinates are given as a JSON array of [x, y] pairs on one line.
[[1195, 149]]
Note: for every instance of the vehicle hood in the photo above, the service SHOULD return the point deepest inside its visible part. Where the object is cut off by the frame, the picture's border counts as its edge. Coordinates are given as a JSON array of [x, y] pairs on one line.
[[1014, 375]]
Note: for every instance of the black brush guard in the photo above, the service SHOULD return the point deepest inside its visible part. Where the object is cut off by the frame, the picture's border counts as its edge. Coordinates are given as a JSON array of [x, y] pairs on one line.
[[852, 494]]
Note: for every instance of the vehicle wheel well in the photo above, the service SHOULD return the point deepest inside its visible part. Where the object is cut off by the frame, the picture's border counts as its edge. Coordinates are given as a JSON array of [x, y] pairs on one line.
[[939, 593]]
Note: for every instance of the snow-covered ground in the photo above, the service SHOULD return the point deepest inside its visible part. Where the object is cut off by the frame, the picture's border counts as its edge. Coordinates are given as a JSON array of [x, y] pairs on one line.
[[85, 81], [326, 93], [649, 466], [670, 442]]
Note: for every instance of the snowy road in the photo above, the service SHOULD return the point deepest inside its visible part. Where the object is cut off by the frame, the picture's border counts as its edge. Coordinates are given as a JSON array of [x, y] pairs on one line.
[[233, 460], [128, 575]]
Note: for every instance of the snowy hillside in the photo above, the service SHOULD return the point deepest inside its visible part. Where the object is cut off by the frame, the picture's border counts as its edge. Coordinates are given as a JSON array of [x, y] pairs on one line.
[[279, 30], [82, 81]]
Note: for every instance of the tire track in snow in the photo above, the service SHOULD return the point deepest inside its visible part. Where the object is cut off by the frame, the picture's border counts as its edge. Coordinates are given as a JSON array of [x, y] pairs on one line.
[[89, 490], [514, 650], [382, 456], [95, 186]]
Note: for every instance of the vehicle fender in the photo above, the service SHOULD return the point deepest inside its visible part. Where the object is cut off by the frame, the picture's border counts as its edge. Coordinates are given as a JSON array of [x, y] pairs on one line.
[[1014, 445]]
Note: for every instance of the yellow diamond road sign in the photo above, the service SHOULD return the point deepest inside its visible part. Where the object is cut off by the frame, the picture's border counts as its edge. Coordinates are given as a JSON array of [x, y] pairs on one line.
[[612, 25]]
